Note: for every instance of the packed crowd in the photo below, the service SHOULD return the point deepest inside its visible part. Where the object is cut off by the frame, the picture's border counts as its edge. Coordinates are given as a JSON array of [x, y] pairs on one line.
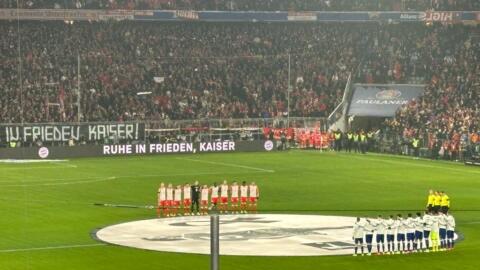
[[201, 70], [193, 70], [296, 5], [447, 116]]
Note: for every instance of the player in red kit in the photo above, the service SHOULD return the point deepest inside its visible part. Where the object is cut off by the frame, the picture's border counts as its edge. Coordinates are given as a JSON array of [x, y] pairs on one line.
[[254, 194], [224, 189], [214, 195], [177, 200], [234, 197], [243, 197], [162, 200], [187, 199], [204, 193], [169, 201]]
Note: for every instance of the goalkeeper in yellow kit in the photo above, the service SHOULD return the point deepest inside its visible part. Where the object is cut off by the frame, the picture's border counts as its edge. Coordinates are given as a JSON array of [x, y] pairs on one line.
[[434, 231]]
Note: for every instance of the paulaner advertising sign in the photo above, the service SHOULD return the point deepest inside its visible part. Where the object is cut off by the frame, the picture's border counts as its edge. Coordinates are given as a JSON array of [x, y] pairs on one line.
[[382, 100]]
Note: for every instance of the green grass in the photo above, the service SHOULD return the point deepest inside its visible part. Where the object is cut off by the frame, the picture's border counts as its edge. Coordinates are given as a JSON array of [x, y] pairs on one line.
[[48, 205]]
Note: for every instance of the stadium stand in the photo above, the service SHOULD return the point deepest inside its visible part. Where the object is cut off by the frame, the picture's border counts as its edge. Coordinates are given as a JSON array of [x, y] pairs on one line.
[[213, 70], [296, 5], [447, 115]]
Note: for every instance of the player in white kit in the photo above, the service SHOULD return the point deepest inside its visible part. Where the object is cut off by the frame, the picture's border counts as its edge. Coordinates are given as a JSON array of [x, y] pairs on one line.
[[380, 229], [369, 230], [169, 202], [390, 232], [410, 228], [254, 194], [418, 244], [234, 197], [400, 225], [162, 199], [243, 197], [204, 193], [427, 227], [442, 224], [450, 231], [187, 199], [358, 231], [224, 190]]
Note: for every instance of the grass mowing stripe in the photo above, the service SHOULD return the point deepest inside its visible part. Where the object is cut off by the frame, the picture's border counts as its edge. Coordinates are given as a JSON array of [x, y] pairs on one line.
[[51, 182], [308, 181], [227, 164], [397, 162], [62, 183]]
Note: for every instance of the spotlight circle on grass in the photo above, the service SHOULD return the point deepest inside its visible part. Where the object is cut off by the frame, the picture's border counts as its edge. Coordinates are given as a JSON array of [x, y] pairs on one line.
[[245, 235]]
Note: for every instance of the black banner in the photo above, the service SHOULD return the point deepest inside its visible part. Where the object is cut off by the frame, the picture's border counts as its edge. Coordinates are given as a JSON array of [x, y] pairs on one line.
[[59, 152], [63, 132]]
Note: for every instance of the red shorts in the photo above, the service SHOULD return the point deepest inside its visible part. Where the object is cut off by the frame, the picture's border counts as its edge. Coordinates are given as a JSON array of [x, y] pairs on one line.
[[167, 203], [176, 203], [215, 200], [224, 199], [243, 199], [187, 202], [162, 203], [252, 199], [205, 202], [234, 199]]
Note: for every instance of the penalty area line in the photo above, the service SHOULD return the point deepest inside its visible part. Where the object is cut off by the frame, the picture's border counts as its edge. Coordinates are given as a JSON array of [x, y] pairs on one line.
[[50, 248], [227, 164]]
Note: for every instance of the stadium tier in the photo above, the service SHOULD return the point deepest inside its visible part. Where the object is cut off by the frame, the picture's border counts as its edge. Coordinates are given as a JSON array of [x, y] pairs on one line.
[[293, 5], [273, 134]]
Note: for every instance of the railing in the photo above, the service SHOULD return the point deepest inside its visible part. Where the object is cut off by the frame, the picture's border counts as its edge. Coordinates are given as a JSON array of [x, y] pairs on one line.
[[36, 134], [341, 110], [225, 129]]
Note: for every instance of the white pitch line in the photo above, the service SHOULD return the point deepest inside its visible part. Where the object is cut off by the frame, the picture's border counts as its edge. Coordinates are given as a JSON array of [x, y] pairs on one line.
[[39, 167], [50, 248], [227, 164], [67, 165], [471, 222], [102, 179], [63, 183]]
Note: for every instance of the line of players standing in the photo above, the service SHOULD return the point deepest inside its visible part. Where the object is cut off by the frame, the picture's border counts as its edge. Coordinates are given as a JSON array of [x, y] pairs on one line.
[[358, 141], [198, 199], [434, 231]]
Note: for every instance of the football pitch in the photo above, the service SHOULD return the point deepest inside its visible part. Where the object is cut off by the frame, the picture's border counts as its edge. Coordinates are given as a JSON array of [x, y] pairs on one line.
[[48, 211]]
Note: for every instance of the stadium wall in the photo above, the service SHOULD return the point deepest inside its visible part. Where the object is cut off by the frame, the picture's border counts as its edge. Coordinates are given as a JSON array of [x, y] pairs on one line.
[[60, 152], [239, 16]]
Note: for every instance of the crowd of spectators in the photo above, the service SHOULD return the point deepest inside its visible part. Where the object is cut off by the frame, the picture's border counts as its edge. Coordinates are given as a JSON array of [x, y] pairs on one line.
[[194, 70], [268, 5], [447, 116], [214, 70]]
